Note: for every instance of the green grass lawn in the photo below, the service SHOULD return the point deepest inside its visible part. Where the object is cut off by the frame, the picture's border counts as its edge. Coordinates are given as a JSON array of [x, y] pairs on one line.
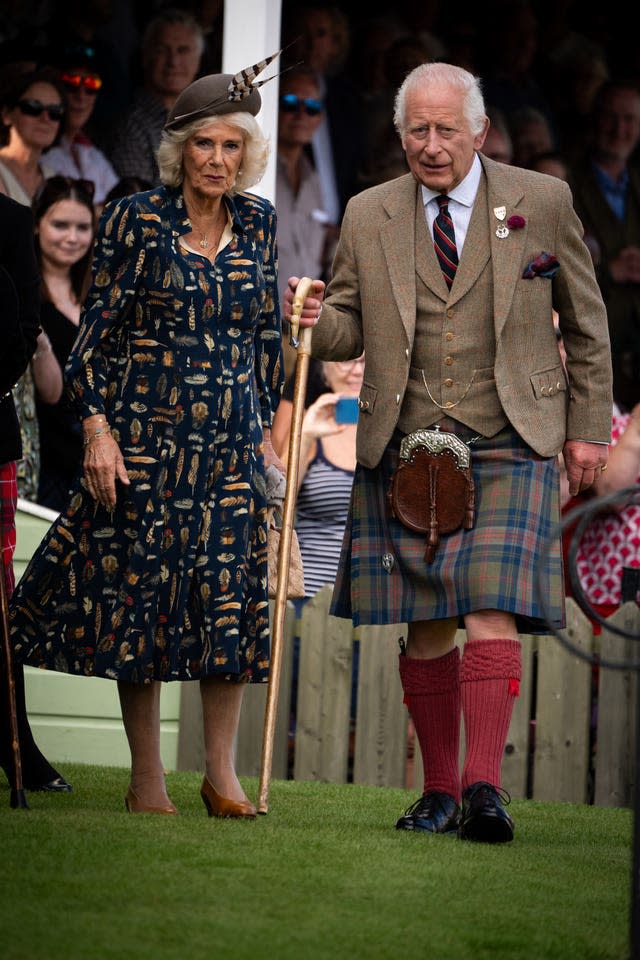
[[323, 874]]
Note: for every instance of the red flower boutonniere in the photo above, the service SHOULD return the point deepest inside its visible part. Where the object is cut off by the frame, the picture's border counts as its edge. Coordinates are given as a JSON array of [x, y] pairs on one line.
[[515, 222]]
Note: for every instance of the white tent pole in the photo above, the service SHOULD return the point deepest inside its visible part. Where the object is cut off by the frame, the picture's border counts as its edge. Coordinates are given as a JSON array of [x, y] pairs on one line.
[[252, 32]]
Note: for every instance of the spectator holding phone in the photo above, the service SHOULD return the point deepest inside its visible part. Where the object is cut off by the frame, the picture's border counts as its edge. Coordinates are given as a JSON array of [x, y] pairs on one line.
[[327, 465]]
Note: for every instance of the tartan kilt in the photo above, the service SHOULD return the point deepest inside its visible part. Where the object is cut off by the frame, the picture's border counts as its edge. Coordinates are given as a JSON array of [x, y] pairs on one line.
[[493, 566]]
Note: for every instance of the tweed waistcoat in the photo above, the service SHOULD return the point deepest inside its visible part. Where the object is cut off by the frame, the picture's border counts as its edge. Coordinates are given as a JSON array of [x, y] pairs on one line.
[[452, 360]]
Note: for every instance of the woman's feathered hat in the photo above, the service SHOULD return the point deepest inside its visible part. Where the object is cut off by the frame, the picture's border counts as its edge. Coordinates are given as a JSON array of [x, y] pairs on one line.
[[219, 93]]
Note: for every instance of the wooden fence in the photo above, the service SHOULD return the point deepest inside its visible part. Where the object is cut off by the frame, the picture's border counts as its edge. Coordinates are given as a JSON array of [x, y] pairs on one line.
[[572, 736]]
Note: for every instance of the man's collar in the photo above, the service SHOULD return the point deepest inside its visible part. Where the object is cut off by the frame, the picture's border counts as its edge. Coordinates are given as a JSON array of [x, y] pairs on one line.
[[465, 192]]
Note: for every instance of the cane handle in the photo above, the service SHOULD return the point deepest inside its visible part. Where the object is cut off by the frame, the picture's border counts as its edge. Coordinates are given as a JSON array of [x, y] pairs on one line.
[[305, 284]]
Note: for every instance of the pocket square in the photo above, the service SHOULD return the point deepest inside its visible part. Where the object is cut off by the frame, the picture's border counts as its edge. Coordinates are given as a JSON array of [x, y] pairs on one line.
[[544, 265]]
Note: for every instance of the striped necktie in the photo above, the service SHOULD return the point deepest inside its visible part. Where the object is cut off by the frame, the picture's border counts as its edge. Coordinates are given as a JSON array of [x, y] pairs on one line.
[[444, 241]]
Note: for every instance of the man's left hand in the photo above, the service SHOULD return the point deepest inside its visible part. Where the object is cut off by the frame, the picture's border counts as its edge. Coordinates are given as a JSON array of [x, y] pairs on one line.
[[584, 461]]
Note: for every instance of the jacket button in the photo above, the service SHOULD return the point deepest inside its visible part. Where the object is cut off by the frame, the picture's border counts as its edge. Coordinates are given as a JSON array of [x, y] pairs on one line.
[[448, 382], [448, 361]]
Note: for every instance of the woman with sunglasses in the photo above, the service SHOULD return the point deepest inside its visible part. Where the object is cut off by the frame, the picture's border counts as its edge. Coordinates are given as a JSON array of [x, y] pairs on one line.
[[32, 108], [75, 155], [64, 226]]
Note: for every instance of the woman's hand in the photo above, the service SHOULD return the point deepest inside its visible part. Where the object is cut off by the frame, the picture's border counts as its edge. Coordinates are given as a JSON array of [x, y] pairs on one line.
[[320, 418], [103, 462]]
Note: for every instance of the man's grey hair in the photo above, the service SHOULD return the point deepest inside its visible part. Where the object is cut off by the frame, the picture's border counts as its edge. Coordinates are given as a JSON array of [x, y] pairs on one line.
[[442, 74]]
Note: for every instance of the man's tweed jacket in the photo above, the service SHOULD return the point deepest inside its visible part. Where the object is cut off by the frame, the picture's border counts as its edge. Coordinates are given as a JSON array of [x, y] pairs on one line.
[[370, 305]]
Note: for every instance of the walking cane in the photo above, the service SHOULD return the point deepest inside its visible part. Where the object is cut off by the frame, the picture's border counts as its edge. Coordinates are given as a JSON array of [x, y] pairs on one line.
[[17, 797], [303, 346]]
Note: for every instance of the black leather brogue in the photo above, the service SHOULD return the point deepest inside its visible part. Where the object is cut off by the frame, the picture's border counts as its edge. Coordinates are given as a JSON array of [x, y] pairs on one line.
[[433, 812], [484, 817]]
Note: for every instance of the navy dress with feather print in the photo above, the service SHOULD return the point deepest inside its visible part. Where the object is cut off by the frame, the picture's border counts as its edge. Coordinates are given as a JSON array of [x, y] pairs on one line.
[[184, 358]]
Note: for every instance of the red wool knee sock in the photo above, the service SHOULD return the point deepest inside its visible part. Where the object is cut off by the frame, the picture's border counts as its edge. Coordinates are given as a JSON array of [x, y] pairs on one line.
[[432, 694], [490, 674]]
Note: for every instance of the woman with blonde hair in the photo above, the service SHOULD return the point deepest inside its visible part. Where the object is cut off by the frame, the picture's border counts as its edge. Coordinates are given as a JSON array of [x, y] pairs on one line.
[[157, 568]]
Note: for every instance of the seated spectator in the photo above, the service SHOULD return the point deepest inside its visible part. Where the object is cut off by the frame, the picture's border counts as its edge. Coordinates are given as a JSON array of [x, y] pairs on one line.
[[551, 162], [327, 464], [531, 134], [497, 143], [64, 227], [32, 108], [510, 80], [302, 219], [382, 156], [319, 35], [606, 196], [210, 16], [103, 27], [577, 68], [171, 49], [74, 155]]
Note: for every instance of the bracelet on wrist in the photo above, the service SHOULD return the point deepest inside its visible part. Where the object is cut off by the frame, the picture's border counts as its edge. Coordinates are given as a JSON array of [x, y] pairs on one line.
[[100, 432]]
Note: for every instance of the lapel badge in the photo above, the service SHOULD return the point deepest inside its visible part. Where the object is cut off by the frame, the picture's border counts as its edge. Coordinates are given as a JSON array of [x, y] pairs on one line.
[[502, 232], [500, 212]]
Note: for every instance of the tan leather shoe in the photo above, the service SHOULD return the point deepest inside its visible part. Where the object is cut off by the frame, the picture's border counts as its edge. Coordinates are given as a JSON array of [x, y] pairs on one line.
[[219, 806]]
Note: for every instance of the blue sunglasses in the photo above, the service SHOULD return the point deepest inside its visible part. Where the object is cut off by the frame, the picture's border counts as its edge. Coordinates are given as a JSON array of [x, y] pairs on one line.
[[289, 103]]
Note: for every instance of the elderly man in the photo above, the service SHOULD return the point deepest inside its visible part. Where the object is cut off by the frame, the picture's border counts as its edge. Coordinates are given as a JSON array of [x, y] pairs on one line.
[[447, 279]]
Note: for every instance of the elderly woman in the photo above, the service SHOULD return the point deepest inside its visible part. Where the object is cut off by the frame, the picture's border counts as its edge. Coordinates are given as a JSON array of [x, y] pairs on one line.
[[157, 568]]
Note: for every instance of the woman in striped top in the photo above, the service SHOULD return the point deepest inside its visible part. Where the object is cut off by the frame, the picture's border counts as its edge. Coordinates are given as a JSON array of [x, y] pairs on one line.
[[327, 464]]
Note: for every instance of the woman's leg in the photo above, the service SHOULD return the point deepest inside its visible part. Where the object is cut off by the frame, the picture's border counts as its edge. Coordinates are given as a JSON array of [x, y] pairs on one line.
[[221, 704], [140, 704]]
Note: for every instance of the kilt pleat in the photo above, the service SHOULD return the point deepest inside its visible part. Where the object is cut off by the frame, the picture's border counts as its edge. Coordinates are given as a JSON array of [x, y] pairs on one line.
[[383, 578]]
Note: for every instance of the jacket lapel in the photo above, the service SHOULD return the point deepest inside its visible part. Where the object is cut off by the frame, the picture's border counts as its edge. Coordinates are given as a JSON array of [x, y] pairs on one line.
[[507, 252], [398, 239]]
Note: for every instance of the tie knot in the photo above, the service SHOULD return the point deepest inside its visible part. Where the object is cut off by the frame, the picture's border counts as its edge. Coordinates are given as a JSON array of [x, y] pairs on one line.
[[442, 201]]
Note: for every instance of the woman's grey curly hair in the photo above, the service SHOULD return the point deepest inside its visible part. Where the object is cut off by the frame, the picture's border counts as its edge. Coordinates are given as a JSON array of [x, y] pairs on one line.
[[254, 161]]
